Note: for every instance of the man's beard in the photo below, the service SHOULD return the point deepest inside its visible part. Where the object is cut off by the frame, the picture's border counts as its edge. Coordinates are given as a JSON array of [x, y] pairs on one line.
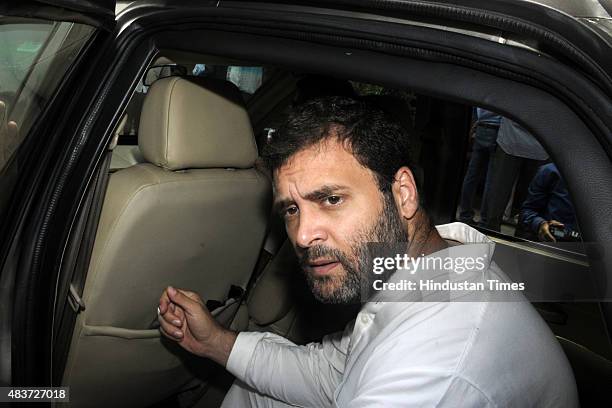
[[347, 288]]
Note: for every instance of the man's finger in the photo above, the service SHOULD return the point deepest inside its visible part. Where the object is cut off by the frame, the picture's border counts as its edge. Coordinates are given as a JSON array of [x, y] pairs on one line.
[[179, 313], [170, 330], [192, 295], [166, 311], [12, 131], [164, 302], [190, 306], [168, 336], [548, 234], [172, 319]]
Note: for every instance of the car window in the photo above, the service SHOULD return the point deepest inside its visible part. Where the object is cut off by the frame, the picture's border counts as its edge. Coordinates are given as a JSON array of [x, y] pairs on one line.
[[249, 79], [34, 56], [19, 46], [507, 185], [511, 185]]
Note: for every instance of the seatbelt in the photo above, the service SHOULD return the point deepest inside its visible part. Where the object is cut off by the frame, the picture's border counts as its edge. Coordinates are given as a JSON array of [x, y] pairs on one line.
[[82, 265], [74, 272], [235, 295]]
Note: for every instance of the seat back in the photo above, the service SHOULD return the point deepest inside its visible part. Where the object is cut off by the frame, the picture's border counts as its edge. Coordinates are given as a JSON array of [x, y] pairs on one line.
[[193, 216], [294, 313]]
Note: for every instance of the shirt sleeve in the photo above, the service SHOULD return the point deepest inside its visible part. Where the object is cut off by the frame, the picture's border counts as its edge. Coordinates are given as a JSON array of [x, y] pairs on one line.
[[534, 207], [422, 388], [299, 375]]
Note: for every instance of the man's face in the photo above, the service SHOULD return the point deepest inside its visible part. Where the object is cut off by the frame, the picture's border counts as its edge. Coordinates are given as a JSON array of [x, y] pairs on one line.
[[333, 207]]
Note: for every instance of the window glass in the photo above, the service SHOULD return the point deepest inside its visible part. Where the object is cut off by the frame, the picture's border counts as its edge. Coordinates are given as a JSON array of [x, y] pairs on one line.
[[19, 46], [249, 79], [512, 186], [34, 57]]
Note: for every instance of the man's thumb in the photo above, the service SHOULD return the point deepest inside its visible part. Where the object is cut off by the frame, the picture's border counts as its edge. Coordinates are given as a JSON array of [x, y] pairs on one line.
[[189, 305]]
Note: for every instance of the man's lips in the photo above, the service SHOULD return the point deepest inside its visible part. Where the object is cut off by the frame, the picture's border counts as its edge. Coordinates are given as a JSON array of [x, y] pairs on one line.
[[322, 267]]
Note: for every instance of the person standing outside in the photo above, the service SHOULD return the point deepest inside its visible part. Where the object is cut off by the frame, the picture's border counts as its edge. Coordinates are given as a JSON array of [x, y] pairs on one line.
[[517, 157], [484, 131]]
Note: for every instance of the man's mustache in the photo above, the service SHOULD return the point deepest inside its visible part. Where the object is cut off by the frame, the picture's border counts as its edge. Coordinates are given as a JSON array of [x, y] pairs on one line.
[[311, 254]]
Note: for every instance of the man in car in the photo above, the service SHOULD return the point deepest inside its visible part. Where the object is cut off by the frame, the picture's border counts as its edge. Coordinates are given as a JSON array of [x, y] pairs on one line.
[[342, 179]]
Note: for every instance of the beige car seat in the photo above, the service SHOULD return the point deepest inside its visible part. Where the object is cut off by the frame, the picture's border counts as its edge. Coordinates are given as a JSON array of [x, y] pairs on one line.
[[294, 313], [193, 216]]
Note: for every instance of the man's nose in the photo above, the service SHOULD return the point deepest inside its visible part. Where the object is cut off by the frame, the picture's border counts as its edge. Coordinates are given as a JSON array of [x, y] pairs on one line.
[[311, 230]]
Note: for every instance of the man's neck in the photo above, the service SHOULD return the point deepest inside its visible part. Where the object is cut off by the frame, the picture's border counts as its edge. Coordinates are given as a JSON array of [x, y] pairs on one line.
[[425, 237]]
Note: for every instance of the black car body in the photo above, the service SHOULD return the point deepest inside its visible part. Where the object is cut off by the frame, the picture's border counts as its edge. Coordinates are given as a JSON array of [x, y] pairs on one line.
[[545, 64]]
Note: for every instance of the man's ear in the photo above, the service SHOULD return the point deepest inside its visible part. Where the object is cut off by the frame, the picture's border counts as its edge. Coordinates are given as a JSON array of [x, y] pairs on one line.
[[405, 193]]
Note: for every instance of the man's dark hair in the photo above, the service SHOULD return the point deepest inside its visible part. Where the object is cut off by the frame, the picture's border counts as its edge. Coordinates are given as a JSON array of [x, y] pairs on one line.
[[377, 141]]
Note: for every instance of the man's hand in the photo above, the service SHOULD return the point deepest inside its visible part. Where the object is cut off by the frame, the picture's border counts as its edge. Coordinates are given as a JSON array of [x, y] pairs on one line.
[[544, 230], [9, 136], [184, 318]]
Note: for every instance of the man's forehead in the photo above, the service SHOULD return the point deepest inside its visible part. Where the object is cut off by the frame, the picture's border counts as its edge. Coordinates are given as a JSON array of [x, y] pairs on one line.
[[321, 153], [316, 168], [323, 163]]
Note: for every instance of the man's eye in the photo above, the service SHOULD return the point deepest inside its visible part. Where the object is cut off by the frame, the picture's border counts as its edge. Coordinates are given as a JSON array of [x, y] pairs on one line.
[[291, 211], [333, 200]]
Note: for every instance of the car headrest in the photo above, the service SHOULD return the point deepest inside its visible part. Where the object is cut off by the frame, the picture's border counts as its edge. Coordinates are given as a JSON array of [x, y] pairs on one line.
[[196, 123]]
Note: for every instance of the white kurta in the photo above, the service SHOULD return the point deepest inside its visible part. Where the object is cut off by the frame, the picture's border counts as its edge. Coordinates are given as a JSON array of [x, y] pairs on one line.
[[416, 353]]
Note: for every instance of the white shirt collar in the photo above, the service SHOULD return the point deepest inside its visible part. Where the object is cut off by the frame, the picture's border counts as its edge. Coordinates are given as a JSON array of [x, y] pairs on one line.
[[454, 231], [458, 231]]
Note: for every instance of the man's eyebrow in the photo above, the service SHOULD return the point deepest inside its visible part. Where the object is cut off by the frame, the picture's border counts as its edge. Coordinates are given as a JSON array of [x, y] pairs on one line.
[[324, 191], [315, 195]]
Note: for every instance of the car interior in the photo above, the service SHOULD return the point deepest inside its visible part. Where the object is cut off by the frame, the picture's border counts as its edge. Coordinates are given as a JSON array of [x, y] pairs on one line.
[[188, 204], [130, 161]]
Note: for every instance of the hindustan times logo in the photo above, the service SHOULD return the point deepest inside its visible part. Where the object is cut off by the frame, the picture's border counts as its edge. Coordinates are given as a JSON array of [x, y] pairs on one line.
[[447, 285]]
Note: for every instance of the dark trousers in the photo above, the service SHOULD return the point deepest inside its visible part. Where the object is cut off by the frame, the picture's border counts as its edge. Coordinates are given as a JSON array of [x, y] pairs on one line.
[[505, 170], [478, 168]]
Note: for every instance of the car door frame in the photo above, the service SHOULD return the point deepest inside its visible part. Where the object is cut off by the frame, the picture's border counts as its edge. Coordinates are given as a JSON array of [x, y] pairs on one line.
[[126, 54]]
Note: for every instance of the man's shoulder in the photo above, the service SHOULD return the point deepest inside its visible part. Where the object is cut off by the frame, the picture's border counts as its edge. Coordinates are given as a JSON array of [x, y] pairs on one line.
[[516, 350], [497, 347], [428, 334]]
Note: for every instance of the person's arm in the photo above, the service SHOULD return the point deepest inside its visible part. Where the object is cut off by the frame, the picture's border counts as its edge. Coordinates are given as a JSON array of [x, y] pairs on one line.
[[534, 207], [271, 364], [299, 375]]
